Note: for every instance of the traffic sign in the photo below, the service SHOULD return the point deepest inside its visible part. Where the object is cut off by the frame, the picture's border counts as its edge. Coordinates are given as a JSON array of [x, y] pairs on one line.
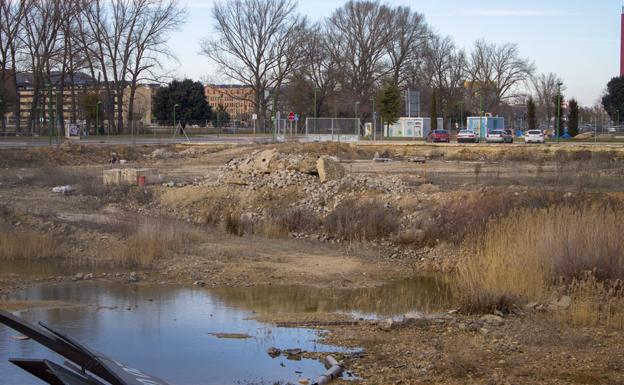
[[291, 116]]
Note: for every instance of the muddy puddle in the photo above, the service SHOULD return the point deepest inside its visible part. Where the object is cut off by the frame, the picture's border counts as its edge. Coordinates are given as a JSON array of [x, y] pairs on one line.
[[182, 334]]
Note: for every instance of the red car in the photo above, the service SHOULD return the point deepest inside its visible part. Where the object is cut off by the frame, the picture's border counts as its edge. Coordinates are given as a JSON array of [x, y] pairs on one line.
[[438, 136]]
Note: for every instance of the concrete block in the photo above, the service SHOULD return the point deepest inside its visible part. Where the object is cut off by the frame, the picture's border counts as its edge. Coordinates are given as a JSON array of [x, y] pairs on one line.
[[129, 176]]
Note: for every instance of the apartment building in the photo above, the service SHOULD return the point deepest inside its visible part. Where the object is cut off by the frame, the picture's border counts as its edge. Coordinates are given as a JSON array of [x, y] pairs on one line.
[[237, 99]]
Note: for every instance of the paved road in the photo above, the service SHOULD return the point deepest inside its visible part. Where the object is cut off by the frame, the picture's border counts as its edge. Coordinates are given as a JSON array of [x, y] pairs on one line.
[[13, 142], [125, 140]]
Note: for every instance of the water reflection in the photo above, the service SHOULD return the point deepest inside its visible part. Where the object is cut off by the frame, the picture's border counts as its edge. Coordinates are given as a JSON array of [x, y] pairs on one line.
[[424, 294], [165, 329], [166, 333]]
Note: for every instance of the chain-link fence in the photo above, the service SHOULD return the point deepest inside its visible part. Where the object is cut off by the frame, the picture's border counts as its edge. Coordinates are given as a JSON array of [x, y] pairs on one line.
[[332, 129]]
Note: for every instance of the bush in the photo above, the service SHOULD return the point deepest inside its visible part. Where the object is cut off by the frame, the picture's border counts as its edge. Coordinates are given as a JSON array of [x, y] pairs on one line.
[[364, 221], [295, 219], [522, 257]]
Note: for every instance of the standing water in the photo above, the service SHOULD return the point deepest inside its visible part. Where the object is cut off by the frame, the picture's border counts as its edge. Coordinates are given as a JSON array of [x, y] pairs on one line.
[[167, 330]]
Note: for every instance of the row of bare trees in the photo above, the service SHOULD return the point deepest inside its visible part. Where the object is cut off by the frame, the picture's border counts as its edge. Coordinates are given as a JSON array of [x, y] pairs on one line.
[[331, 67], [118, 43]]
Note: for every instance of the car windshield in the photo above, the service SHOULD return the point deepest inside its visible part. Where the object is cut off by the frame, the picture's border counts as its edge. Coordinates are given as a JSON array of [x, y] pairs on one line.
[[496, 132], [534, 132], [440, 131], [466, 132]]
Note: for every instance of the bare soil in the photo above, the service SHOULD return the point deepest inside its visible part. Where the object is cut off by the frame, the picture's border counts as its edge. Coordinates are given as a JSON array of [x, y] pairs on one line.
[[92, 223]]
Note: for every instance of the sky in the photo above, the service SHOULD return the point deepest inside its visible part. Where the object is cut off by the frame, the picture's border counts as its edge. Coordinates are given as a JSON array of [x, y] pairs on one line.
[[576, 39]]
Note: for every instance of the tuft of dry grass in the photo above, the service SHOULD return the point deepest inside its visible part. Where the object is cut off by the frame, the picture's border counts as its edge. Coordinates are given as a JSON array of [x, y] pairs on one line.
[[154, 240], [523, 256], [362, 221], [27, 245]]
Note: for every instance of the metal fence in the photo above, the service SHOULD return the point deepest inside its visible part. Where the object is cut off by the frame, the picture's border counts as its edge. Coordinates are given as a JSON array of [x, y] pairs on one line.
[[332, 129]]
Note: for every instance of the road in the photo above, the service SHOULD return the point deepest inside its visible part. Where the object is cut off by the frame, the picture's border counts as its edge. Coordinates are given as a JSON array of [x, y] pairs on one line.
[[17, 142]]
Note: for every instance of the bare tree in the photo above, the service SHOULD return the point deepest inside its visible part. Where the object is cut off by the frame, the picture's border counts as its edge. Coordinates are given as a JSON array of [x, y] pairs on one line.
[[410, 35], [12, 13], [443, 69], [257, 44], [497, 72], [150, 43], [41, 25], [359, 34], [546, 87]]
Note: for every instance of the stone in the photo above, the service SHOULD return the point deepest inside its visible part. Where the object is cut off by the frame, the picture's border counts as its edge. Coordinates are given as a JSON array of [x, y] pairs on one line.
[[329, 169], [262, 162], [563, 303], [78, 277], [273, 351], [492, 319], [304, 381], [415, 319], [484, 331], [388, 324], [199, 283], [134, 277], [88, 276]]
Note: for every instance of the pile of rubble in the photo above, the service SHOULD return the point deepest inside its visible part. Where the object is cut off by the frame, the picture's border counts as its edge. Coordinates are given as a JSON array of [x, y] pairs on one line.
[[290, 169]]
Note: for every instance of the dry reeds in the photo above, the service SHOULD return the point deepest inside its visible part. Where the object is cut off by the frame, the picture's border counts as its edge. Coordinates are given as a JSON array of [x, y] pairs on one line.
[[522, 256], [27, 245], [153, 240]]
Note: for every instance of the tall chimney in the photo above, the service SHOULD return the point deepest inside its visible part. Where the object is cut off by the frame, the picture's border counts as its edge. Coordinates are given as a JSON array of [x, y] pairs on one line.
[[622, 45]]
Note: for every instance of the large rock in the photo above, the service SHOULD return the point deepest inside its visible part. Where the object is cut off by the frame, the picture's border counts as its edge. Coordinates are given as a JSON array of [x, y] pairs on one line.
[[329, 169], [415, 319], [492, 319]]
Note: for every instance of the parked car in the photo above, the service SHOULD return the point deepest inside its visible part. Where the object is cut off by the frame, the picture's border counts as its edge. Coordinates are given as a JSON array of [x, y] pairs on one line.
[[467, 136], [534, 136], [497, 136], [438, 136], [508, 136]]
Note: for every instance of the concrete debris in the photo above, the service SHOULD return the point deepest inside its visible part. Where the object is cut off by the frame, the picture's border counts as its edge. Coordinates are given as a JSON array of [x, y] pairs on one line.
[[129, 176], [329, 169], [63, 189], [492, 319]]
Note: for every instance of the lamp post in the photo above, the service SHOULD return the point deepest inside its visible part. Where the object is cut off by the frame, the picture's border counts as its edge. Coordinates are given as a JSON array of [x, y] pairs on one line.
[[97, 117], [372, 98], [175, 106], [461, 114], [559, 84], [49, 113]]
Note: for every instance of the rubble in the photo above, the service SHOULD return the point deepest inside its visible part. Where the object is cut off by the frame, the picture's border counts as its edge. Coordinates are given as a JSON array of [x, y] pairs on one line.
[[329, 169]]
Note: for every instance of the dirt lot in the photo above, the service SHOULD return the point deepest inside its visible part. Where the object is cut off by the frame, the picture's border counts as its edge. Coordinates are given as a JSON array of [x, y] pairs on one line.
[[236, 235]]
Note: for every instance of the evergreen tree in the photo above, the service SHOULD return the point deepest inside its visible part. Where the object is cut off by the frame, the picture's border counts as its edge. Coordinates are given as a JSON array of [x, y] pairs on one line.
[[573, 117], [613, 101], [558, 113], [434, 110], [390, 107], [531, 118], [190, 98], [220, 116]]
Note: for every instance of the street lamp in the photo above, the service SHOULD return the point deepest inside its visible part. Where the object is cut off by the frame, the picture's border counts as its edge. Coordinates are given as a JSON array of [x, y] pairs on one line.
[[356, 109], [372, 98], [97, 117], [559, 84], [174, 119]]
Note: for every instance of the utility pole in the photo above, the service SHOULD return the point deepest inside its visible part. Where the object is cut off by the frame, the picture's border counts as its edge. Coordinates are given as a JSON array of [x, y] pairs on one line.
[[175, 128], [97, 117], [49, 113], [558, 108], [374, 119]]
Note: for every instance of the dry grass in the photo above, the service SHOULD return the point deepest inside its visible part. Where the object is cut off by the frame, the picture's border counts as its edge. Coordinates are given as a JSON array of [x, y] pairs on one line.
[[523, 256], [27, 245], [365, 221], [154, 240], [596, 302]]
